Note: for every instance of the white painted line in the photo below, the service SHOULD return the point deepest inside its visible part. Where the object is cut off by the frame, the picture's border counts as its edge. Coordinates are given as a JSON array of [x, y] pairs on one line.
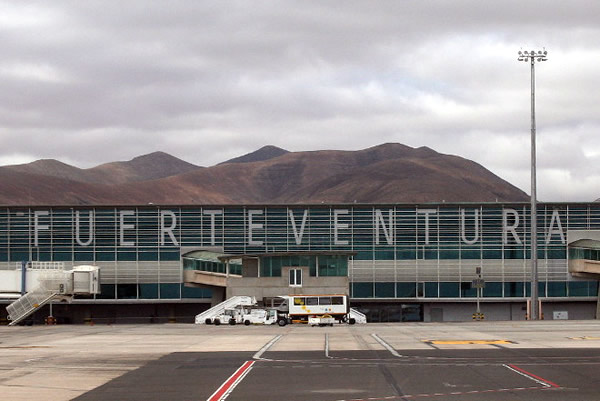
[[531, 376], [265, 347], [386, 345], [327, 345], [227, 387]]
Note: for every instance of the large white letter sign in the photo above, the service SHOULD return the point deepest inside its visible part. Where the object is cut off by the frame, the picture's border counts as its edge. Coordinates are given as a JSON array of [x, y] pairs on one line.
[[169, 229], [387, 231], [426, 212], [78, 228], [506, 228], [462, 227], [124, 227], [339, 226], [558, 230], [212, 214], [37, 226], [252, 226], [298, 235]]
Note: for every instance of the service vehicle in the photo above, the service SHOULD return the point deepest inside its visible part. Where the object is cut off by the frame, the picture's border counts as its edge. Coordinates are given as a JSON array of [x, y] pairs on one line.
[[300, 308], [325, 320], [229, 316], [260, 316]]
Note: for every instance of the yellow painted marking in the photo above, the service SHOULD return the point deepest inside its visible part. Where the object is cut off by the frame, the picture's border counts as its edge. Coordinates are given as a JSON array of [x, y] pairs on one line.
[[584, 338], [467, 342]]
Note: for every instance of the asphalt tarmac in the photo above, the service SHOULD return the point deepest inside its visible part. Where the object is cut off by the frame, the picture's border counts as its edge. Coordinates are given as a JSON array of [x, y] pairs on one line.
[[484, 361], [489, 375]]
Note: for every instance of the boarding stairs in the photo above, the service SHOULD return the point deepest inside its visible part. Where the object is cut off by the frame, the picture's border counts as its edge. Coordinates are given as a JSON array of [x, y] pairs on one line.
[[52, 284], [358, 317], [219, 309]]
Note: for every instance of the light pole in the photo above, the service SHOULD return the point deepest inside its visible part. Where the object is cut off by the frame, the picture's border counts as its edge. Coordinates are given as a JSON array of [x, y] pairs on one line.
[[532, 56]]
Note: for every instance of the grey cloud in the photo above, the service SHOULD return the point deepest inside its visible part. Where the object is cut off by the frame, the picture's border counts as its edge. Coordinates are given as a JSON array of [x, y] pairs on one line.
[[207, 81]]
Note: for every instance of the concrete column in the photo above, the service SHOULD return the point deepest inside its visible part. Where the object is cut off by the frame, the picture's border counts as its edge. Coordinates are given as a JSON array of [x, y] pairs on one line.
[[218, 296], [172, 314]]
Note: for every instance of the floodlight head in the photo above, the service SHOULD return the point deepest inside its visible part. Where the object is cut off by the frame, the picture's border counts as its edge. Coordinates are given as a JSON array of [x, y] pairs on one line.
[[520, 52]]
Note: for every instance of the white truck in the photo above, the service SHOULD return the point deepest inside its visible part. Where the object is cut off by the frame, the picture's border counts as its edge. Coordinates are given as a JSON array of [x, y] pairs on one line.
[[229, 316], [244, 315], [260, 316]]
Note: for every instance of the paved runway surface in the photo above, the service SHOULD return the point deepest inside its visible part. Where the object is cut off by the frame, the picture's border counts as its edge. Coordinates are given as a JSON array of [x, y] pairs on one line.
[[529, 374], [479, 361]]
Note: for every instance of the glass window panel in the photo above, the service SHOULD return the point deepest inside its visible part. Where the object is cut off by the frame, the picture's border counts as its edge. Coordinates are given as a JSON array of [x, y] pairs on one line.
[[492, 289], [84, 256], [541, 289], [449, 290], [195, 292], [148, 255], [467, 291], [431, 290], [63, 256], [148, 291], [579, 289], [406, 290], [19, 256], [105, 256], [107, 291], [169, 254], [170, 291], [557, 289], [406, 253], [127, 291], [557, 253], [362, 290], [514, 289], [127, 255], [384, 290]]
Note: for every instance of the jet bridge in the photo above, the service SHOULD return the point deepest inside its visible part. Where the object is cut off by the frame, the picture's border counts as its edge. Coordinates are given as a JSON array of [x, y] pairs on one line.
[[55, 284]]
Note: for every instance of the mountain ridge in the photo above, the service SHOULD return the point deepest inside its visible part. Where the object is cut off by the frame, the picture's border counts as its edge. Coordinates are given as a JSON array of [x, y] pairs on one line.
[[386, 173]]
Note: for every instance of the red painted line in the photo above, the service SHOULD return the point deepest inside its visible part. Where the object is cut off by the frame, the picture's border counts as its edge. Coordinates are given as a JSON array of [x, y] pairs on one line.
[[551, 384], [230, 383]]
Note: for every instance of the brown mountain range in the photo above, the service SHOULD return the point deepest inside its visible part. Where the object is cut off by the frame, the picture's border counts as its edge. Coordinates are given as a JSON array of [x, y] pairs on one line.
[[389, 173]]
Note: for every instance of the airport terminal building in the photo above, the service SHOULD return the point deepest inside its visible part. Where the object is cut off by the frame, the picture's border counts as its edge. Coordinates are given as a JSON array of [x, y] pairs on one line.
[[397, 262]]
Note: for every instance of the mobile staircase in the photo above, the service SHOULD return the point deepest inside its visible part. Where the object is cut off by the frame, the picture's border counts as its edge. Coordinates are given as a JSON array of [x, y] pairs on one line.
[[358, 317], [52, 285], [231, 303]]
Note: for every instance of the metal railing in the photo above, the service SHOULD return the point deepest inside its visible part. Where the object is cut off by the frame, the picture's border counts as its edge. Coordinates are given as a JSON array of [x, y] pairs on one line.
[[51, 283], [358, 317], [227, 304]]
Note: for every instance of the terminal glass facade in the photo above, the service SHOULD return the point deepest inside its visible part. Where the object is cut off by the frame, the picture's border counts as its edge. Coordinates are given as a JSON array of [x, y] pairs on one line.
[[427, 251]]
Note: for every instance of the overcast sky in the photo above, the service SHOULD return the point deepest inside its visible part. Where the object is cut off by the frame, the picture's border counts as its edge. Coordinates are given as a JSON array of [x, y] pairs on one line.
[[89, 82]]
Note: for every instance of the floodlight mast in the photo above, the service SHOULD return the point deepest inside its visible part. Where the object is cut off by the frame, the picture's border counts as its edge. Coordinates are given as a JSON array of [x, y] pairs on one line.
[[532, 56]]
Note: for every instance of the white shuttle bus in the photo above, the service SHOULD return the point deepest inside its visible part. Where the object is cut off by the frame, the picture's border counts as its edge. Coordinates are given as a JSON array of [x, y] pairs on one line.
[[300, 308]]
